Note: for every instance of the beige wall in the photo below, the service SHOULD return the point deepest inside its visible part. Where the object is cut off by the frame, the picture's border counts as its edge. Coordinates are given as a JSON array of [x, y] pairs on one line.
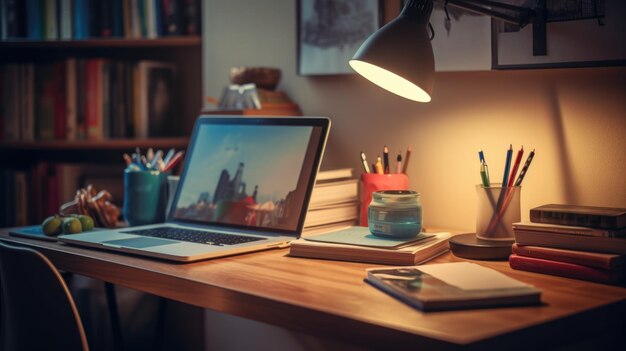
[[574, 118]]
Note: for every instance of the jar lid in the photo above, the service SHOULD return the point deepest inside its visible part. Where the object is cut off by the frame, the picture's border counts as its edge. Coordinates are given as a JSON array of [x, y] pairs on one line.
[[398, 196]]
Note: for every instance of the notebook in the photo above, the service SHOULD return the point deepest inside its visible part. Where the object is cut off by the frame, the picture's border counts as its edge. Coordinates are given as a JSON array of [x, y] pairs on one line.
[[245, 187]]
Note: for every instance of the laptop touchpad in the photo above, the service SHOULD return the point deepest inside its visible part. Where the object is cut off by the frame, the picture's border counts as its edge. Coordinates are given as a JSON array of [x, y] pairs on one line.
[[138, 243]]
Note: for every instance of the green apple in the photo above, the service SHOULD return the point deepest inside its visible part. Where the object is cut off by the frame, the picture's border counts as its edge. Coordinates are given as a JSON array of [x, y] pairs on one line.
[[71, 225], [52, 226]]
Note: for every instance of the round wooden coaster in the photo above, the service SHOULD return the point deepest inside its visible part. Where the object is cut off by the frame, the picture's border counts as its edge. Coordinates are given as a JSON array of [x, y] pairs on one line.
[[469, 246]]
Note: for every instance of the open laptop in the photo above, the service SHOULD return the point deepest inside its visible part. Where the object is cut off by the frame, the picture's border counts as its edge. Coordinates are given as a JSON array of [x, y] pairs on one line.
[[245, 187]]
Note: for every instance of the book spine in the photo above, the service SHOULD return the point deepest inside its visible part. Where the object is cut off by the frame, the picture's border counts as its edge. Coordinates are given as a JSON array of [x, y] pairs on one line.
[[52, 27], [118, 18], [28, 98], [191, 13], [34, 12], [21, 199], [60, 103], [79, 19], [571, 242], [106, 19], [172, 16], [592, 259], [45, 102], [563, 269], [92, 106], [65, 19], [577, 219], [71, 99]]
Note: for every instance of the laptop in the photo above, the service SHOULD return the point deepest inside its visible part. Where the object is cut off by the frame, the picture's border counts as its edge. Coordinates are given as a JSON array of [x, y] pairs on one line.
[[245, 187]]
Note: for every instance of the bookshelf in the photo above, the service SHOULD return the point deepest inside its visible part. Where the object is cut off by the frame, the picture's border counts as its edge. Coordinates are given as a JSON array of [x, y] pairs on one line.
[[23, 156]]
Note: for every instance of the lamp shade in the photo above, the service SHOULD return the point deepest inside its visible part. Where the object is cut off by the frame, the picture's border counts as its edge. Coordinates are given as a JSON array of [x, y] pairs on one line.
[[399, 57]]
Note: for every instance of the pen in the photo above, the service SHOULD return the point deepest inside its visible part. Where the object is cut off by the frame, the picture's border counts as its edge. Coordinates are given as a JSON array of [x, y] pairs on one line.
[[150, 154], [507, 165], [522, 173], [366, 167], [169, 155], [157, 156], [386, 159], [399, 164], [406, 159], [379, 166], [175, 159], [518, 159]]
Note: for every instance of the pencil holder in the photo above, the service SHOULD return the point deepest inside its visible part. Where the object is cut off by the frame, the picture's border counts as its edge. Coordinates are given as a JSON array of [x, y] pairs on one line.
[[145, 197], [376, 182], [497, 209]]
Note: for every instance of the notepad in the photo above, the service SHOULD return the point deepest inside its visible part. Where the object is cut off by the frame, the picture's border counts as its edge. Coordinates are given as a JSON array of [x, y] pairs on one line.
[[362, 236]]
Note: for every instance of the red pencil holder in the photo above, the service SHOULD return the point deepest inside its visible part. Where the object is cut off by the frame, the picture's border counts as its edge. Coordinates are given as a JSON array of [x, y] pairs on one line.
[[375, 182]]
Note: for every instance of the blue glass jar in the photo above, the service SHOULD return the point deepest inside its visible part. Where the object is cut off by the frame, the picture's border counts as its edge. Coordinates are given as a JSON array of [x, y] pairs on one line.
[[395, 214]]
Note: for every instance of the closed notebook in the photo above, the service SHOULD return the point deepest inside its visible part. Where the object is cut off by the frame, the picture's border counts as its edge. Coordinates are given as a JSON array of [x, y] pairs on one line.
[[450, 286], [418, 252]]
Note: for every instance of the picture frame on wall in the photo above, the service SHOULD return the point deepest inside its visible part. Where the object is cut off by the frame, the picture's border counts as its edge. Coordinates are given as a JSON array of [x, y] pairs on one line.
[[331, 31], [578, 34]]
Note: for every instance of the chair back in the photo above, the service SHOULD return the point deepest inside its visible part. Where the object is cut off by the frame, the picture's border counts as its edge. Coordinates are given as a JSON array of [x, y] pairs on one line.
[[38, 311]]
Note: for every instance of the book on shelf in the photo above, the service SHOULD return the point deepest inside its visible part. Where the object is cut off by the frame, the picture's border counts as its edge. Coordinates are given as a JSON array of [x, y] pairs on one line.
[[155, 84], [585, 258], [566, 269], [76, 99], [585, 216], [451, 286], [570, 241], [569, 229], [420, 251], [83, 19]]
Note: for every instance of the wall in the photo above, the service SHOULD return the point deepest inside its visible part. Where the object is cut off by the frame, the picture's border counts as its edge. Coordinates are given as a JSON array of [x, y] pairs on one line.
[[574, 118]]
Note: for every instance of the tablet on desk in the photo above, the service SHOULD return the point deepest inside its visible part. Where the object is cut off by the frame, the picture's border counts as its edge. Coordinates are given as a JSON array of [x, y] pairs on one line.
[[31, 232]]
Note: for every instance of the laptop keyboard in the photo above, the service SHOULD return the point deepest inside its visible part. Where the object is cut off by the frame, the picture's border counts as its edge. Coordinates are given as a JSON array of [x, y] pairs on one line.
[[195, 236]]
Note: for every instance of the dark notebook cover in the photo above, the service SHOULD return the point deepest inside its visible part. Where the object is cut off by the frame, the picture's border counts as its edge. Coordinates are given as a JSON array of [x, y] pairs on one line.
[[458, 285]]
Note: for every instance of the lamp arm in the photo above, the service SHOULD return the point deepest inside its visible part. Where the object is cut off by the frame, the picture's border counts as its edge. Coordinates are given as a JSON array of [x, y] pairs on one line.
[[522, 16]]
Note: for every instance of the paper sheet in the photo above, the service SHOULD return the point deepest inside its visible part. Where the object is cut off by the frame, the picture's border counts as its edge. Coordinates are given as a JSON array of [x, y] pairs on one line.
[[470, 276]]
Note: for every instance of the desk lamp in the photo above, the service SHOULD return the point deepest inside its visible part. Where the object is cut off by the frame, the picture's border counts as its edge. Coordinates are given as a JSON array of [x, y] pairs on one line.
[[399, 57]]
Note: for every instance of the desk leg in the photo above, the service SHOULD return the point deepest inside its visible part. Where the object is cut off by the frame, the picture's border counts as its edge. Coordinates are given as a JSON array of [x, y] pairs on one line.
[[114, 315]]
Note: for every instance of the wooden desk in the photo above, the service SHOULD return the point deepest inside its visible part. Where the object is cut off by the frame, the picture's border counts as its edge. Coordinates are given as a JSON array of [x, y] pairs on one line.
[[330, 299]]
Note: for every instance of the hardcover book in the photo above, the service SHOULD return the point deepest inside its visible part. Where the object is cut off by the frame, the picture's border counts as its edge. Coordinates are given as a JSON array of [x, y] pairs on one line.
[[569, 229], [564, 269], [571, 242], [585, 258], [450, 286], [585, 216]]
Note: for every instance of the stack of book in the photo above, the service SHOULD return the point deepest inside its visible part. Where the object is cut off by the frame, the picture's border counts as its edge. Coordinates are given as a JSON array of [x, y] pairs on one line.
[[334, 201], [581, 242]]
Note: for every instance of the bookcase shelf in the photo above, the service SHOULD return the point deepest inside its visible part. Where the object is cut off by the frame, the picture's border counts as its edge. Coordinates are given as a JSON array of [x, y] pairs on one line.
[[22, 155], [167, 42]]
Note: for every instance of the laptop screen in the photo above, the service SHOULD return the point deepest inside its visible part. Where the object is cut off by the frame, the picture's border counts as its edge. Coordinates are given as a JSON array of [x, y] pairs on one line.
[[250, 173]]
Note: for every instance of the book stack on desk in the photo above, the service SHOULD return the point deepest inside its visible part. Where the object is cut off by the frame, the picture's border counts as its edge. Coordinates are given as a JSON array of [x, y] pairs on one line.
[[334, 201], [580, 242]]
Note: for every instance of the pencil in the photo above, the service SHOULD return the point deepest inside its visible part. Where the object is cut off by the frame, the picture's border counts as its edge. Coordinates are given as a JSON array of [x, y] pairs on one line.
[[522, 173], [518, 159], [507, 165], [366, 167], [407, 156]]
